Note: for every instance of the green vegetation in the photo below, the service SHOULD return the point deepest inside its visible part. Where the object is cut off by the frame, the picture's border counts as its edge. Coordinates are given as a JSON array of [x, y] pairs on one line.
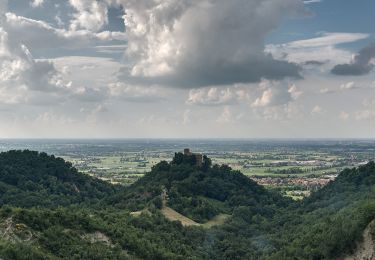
[[30, 179], [51, 211], [199, 193]]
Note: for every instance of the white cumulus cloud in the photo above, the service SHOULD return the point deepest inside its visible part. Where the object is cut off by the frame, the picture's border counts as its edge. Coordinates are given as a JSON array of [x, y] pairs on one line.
[[90, 14], [276, 94], [20, 73], [216, 96], [201, 43]]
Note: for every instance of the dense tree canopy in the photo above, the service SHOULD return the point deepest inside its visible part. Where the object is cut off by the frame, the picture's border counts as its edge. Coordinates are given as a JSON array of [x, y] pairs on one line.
[[29, 179], [201, 192]]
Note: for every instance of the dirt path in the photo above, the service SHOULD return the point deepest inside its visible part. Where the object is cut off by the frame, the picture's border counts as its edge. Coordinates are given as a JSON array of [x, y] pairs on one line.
[[173, 215]]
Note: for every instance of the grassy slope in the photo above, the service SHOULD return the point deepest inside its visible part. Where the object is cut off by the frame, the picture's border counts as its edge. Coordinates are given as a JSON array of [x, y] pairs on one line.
[[173, 215]]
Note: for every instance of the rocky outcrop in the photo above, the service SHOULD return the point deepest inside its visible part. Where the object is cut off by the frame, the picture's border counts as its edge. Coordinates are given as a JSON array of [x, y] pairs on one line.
[[366, 249]]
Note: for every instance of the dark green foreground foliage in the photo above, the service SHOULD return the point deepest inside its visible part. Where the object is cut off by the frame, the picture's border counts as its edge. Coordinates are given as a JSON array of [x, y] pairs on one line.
[[95, 221]]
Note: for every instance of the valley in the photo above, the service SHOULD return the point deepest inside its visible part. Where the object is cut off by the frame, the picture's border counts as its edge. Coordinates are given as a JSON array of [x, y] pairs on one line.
[[293, 167]]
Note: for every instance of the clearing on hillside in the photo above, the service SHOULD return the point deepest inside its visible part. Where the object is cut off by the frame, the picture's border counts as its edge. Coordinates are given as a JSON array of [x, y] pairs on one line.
[[173, 215]]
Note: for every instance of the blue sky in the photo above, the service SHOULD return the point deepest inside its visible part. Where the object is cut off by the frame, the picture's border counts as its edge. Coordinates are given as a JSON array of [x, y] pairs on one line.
[[180, 68], [330, 16]]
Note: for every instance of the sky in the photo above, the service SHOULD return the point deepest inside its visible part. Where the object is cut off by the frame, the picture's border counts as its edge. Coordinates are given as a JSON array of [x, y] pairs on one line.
[[187, 69]]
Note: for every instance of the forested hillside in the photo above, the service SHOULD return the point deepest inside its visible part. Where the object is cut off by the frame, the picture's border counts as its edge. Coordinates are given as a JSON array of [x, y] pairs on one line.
[[200, 192], [29, 179], [332, 219], [51, 211]]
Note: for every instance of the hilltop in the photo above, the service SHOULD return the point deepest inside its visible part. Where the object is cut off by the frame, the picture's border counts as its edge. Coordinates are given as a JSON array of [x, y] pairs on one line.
[[199, 191]]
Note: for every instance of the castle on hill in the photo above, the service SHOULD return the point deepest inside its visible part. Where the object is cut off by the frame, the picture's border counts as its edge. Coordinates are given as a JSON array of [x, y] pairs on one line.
[[198, 156]]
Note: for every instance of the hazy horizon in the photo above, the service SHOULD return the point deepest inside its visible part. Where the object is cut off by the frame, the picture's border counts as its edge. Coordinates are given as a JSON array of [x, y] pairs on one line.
[[193, 138]]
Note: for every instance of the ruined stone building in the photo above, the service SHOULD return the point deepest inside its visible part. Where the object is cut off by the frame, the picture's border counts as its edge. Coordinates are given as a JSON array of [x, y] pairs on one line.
[[198, 156]]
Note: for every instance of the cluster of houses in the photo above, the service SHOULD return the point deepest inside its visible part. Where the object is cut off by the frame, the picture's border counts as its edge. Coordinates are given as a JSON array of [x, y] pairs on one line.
[[298, 181]]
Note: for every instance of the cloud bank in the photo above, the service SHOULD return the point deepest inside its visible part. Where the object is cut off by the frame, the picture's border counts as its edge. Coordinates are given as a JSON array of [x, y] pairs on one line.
[[20, 73], [191, 44], [316, 51]]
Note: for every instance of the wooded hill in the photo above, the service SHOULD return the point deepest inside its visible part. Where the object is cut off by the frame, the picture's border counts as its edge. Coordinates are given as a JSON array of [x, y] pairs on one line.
[[30, 179], [51, 211]]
